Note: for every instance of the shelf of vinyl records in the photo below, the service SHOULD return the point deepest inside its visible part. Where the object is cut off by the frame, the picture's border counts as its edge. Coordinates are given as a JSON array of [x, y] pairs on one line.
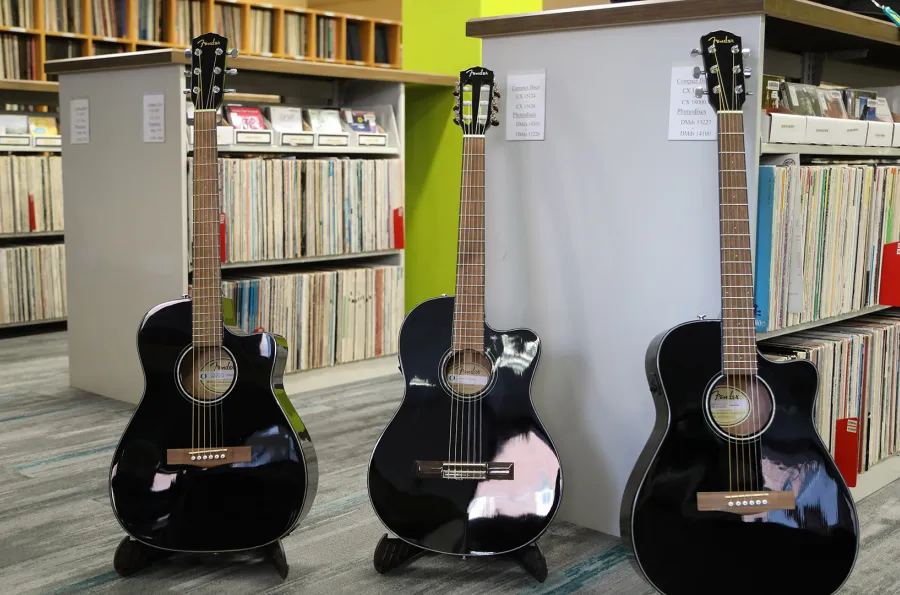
[[826, 244], [866, 347], [34, 31], [32, 271]]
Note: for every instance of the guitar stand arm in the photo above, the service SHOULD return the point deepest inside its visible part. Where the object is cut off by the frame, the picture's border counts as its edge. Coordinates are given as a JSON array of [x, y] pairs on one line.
[[391, 553], [132, 556]]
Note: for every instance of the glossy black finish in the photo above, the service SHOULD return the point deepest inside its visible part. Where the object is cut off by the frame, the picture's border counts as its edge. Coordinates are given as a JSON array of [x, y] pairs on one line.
[[810, 550], [432, 513], [230, 507]]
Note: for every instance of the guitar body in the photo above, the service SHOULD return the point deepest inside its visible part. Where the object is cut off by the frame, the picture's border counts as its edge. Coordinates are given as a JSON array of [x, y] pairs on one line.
[[464, 516], [226, 507], [685, 552]]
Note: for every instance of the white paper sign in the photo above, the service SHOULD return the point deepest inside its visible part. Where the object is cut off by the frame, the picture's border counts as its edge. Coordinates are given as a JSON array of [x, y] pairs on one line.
[[80, 121], [525, 106], [154, 118], [690, 118]]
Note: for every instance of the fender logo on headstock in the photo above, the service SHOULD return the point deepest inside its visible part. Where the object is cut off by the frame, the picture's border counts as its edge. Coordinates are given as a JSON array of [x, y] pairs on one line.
[[204, 42], [726, 40]]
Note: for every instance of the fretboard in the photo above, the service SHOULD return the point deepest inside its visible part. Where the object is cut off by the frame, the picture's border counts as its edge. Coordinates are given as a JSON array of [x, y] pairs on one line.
[[738, 313], [206, 293], [468, 312]]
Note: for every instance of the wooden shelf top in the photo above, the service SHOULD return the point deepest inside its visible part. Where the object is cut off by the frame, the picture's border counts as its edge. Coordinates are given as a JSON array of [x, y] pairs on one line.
[[799, 17], [252, 63], [29, 86]]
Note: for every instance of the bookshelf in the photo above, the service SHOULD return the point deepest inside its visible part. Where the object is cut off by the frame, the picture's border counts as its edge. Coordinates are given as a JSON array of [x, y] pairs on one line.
[[626, 252], [90, 29], [44, 271], [144, 259]]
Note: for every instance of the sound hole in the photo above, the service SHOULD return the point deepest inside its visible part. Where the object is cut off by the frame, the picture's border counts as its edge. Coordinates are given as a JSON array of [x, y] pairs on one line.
[[468, 373], [206, 374], [739, 407]]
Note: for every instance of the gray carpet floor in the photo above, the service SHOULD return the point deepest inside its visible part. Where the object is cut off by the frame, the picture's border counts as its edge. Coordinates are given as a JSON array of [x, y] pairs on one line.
[[58, 534]]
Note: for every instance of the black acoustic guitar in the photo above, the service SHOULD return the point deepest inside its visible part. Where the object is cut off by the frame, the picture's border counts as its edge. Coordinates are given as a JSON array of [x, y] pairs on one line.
[[465, 466], [735, 491], [215, 458]]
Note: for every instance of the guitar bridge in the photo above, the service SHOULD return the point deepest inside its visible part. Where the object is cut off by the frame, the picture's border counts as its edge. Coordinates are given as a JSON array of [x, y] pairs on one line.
[[453, 470], [745, 502], [208, 457]]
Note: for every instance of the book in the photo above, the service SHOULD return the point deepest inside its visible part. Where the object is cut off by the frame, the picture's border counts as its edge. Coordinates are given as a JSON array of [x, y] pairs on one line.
[[288, 119], [13, 124], [325, 121], [245, 118], [772, 91], [42, 126], [801, 99], [360, 121], [30, 193], [831, 103]]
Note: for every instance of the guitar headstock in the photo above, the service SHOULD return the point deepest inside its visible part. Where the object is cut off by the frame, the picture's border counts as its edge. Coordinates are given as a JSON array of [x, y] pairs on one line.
[[723, 63], [207, 70], [477, 101]]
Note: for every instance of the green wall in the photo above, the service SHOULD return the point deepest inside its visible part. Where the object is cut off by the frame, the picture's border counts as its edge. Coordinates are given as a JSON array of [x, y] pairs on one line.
[[434, 40]]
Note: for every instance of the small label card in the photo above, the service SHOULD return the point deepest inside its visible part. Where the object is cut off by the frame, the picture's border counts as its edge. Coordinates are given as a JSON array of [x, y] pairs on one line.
[[364, 139], [154, 118], [17, 140], [333, 140], [296, 139], [690, 117], [80, 121], [525, 94]]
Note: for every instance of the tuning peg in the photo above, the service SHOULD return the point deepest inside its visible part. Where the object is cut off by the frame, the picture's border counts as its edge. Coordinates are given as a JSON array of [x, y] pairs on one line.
[[750, 93], [456, 92], [696, 52], [233, 52], [456, 121], [700, 92], [496, 91], [698, 72], [747, 73], [456, 108], [229, 90], [186, 91], [187, 53], [745, 52], [231, 71]]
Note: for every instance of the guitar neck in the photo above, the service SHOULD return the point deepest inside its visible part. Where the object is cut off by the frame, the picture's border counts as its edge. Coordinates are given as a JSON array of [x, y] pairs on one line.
[[738, 312], [207, 292], [468, 311]]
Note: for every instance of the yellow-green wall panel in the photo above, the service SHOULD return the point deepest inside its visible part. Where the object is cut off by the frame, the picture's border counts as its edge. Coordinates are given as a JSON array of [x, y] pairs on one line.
[[434, 40]]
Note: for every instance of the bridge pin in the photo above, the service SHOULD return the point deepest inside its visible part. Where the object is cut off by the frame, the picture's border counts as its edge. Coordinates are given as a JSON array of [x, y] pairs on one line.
[[738, 503], [731, 504], [765, 501], [193, 458], [746, 503], [758, 502], [205, 457]]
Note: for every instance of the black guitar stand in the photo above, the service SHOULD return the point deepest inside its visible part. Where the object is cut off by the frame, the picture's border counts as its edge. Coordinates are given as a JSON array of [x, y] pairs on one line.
[[391, 553], [133, 556]]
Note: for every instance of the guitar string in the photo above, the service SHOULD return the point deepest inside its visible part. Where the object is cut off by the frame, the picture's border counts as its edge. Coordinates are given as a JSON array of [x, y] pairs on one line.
[[467, 276], [726, 282], [747, 321], [451, 445], [481, 229]]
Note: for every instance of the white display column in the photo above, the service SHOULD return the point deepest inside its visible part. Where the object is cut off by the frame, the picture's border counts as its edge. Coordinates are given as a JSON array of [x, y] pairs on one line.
[[604, 234]]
